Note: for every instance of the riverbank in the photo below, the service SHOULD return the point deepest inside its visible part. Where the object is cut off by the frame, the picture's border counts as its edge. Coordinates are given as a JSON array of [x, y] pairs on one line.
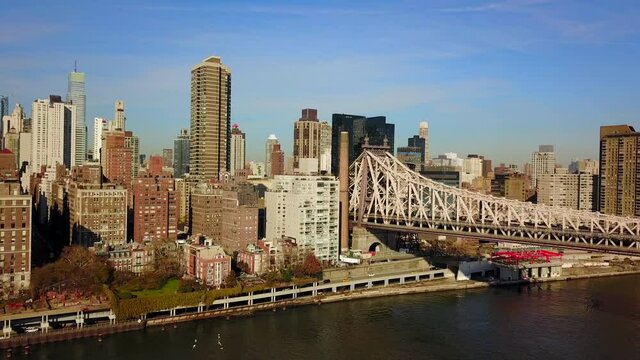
[[436, 285]]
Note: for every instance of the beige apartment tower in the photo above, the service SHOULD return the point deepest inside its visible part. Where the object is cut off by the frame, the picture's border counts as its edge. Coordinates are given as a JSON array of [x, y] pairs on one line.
[[619, 166], [210, 119]]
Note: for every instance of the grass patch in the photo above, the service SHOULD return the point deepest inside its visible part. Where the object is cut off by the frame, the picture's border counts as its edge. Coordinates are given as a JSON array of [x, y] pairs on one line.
[[169, 288]]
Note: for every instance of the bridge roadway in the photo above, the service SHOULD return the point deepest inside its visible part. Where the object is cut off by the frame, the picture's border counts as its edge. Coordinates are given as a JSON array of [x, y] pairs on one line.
[[585, 246], [273, 295]]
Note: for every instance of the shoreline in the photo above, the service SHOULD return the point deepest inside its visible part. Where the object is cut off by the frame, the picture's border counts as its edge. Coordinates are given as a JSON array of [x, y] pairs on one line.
[[428, 286]]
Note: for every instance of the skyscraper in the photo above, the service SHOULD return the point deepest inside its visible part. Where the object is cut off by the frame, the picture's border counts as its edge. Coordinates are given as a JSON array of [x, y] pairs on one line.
[[359, 127], [76, 96], [119, 119], [238, 147], [167, 157], [424, 134], [53, 133], [210, 118], [100, 125], [271, 140], [619, 164], [311, 141], [544, 162], [4, 108], [181, 147]]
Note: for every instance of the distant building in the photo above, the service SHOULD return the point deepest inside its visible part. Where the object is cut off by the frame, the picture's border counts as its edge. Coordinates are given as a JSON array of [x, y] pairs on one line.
[[100, 126], [277, 161], [208, 264], [306, 209], [445, 174], [238, 149], [167, 158], [116, 159], [119, 118], [271, 141], [155, 165], [424, 135], [574, 191], [181, 147], [312, 141], [210, 119], [53, 133], [376, 129], [97, 213], [585, 166], [155, 208], [619, 164], [76, 96], [543, 162], [15, 239], [411, 156]]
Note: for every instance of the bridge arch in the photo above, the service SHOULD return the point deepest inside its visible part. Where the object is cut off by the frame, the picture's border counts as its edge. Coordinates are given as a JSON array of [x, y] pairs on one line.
[[375, 247]]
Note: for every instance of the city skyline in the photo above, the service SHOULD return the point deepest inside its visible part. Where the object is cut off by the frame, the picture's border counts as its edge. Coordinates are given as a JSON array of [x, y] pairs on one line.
[[546, 70]]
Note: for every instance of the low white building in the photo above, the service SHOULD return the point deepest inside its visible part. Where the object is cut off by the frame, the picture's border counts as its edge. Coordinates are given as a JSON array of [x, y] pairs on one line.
[[305, 208]]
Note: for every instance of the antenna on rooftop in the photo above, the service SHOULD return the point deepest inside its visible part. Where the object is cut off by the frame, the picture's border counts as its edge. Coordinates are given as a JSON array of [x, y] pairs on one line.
[[75, 66]]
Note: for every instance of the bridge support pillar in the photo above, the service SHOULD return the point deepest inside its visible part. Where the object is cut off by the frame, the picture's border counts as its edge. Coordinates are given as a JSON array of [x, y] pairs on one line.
[[226, 303], [373, 240], [386, 282], [79, 319], [314, 291], [402, 280], [295, 291], [273, 294], [44, 323], [250, 298], [112, 317], [6, 329]]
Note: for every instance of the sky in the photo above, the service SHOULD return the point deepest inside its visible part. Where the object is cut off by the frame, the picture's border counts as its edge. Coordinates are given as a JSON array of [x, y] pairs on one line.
[[496, 78]]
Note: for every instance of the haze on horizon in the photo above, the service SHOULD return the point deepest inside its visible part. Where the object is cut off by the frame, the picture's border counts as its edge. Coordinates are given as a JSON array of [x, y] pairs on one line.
[[496, 78]]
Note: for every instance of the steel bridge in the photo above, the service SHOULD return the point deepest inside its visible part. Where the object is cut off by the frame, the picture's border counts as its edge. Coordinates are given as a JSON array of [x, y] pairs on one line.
[[386, 195]]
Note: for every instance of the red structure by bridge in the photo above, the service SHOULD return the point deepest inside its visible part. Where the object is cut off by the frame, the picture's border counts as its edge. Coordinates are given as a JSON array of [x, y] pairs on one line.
[[532, 256]]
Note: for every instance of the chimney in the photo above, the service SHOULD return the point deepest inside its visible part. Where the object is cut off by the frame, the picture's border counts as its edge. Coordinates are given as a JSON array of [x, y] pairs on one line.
[[344, 191]]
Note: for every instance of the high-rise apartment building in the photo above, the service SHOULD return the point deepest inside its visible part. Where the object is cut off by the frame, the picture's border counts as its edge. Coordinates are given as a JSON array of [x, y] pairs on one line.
[[76, 96], [155, 208], [210, 118], [238, 147], [305, 208], [100, 125], [568, 190], [543, 162], [181, 147], [116, 159], [375, 130], [53, 133], [132, 142], [271, 141], [15, 239], [619, 166], [119, 118]]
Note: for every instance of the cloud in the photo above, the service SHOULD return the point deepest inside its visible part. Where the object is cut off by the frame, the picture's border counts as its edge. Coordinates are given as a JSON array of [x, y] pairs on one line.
[[509, 5], [18, 32]]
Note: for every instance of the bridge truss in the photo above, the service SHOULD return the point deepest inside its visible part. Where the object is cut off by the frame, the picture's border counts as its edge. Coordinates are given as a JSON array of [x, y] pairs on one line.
[[386, 194]]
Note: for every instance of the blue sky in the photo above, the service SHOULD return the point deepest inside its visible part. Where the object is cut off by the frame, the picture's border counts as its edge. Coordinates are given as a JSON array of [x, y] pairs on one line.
[[491, 77]]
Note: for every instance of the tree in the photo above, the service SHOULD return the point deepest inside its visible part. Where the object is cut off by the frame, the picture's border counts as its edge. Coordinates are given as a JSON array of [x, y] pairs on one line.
[[230, 280], [78, 269], [311, 266], [243, 267]]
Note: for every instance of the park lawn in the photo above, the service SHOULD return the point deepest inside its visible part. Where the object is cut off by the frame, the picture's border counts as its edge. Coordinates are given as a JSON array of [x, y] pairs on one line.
[[171, 287]]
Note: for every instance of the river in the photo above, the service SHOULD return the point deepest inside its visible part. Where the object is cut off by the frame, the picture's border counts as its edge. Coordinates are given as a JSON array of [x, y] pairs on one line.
[[582, 319]]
